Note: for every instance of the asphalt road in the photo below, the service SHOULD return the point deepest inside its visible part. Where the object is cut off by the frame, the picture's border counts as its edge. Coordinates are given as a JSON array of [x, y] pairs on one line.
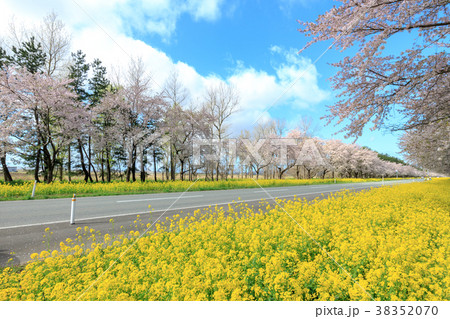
[[22, 223]]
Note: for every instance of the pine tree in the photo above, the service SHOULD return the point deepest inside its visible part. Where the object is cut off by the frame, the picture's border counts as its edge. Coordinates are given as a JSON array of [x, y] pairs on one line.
[[78, 73], [29, 56], [98, 84], [4, 58]]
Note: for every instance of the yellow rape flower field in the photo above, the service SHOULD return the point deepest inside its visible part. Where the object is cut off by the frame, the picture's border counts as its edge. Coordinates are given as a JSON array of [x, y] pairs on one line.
[[392, 242], [65, 189]]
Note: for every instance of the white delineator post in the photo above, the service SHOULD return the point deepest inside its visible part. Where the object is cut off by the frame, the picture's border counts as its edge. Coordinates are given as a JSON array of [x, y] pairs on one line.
[[72, 210], [34, 189]]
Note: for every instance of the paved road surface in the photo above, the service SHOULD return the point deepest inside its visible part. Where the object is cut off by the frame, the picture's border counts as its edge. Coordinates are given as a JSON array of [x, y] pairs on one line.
[[22, 223]]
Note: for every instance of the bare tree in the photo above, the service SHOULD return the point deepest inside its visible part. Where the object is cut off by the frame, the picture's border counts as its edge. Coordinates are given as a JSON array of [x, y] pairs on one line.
[[55, 42], [174, 90], [17, 33], [220, 103], [279, 126], [177, 95]]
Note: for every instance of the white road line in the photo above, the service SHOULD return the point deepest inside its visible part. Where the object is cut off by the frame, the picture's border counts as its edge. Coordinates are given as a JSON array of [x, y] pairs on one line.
[[178, 208], [275, 190], [160, 198]]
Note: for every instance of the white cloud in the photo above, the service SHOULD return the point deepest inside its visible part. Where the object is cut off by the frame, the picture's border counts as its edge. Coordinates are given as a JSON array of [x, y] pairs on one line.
[[160, 16], [293, 86], [151, 17], [208, 10], [275, 49]]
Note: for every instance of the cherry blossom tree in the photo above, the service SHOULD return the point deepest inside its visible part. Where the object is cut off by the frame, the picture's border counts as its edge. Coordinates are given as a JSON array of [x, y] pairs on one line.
[[428, 147], [109, 117], [142, 111], [36, 108], [254, 148], [335, 155], [375, 83], [182, 127], [9, 114]]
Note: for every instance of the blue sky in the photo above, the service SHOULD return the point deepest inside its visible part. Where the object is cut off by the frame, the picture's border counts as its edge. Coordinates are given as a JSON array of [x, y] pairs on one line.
[[250, 44]]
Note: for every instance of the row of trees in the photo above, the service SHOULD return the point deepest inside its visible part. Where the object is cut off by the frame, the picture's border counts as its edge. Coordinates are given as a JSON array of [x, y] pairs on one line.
[[267, 151], [93, 124], [97, 126]]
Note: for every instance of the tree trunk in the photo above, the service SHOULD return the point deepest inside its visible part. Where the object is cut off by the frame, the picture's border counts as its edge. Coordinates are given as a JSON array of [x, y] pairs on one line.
[[102, 167], [69, 164], [48, 169], [87, 176], [133, 167], [90, 165], [6, 174], [52, 161], [182, 170], [61, 170], [142, 165], [130, 163], [172, 163], [37, 164], [95, 171], [189, 170], [89, 155], [38, 152], [49, 175], [108, 166], [154, 165]]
